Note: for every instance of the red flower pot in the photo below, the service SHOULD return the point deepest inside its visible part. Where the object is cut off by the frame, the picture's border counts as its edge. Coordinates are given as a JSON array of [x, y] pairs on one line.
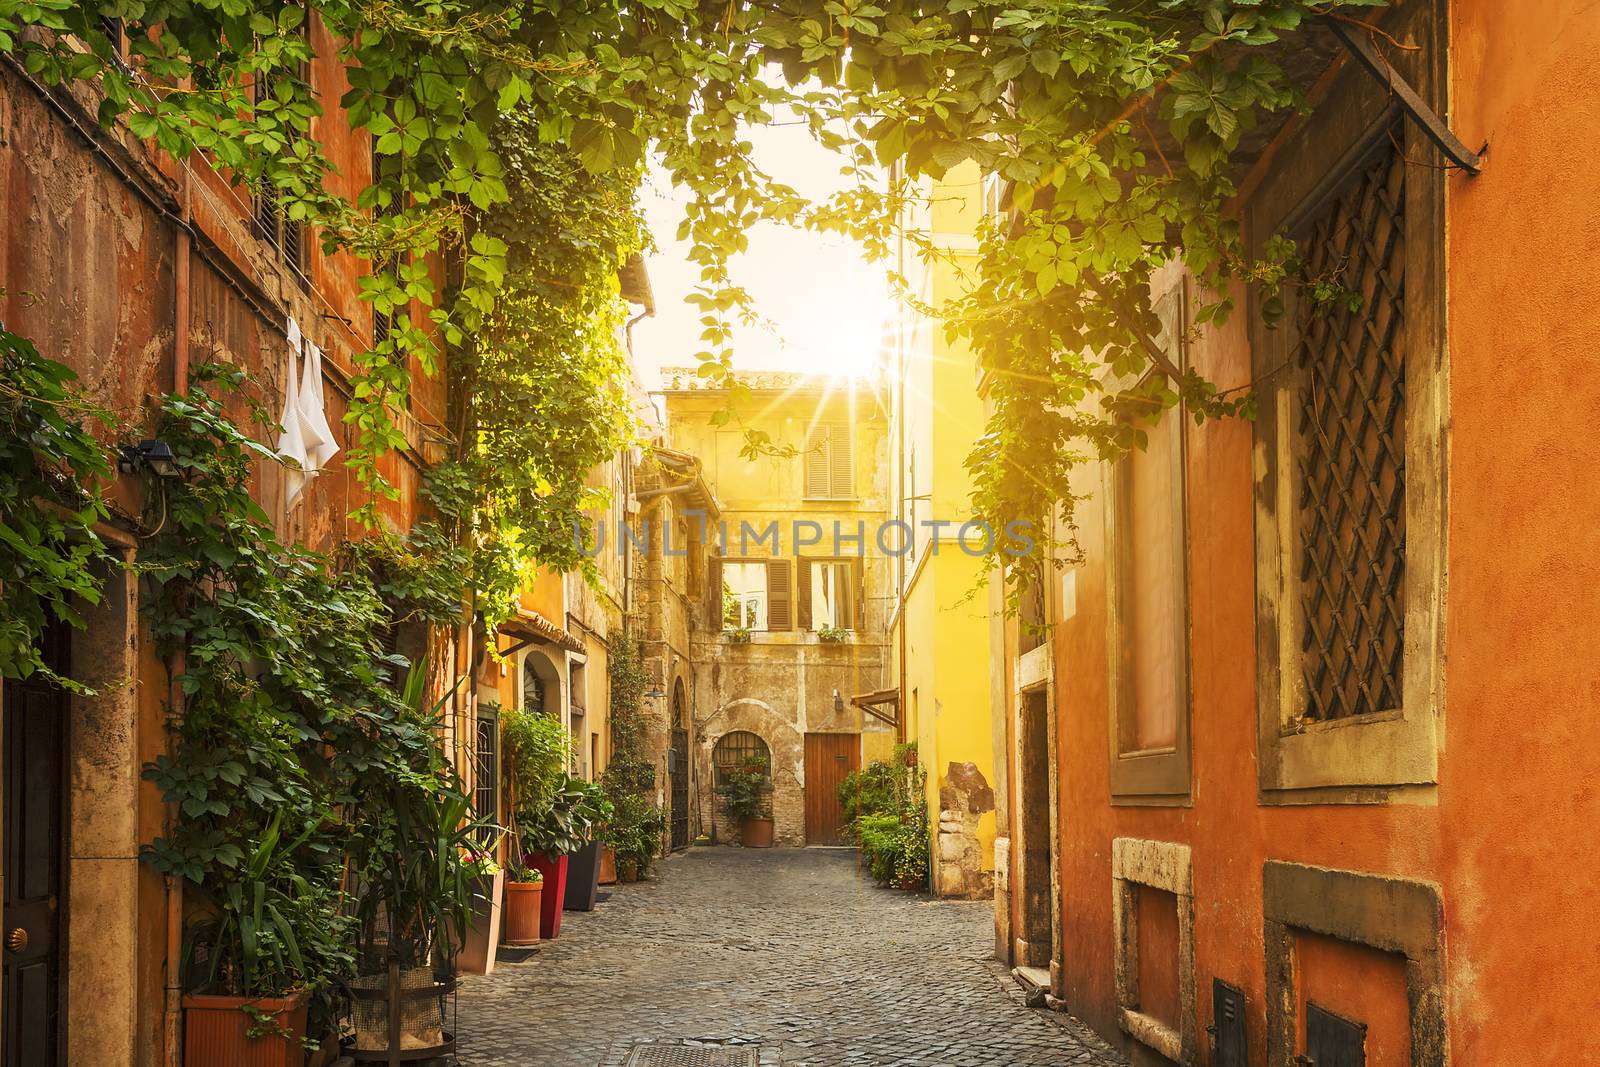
[[217, 1030], [554, 869]]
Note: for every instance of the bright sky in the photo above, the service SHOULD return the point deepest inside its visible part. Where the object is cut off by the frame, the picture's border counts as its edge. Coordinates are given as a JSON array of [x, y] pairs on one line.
[[825, 304]]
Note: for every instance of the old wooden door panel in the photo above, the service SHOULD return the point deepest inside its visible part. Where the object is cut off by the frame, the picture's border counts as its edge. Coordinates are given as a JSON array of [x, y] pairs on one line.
[[35, 723], [829, 757]]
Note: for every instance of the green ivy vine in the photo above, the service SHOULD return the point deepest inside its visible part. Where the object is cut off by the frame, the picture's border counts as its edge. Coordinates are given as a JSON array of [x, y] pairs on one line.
[[51, 471], [1113, 122]]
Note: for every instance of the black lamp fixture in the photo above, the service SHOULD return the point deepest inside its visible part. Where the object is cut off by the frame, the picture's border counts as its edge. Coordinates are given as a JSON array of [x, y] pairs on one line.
[[838, 701], [149, 454], [655, 693]]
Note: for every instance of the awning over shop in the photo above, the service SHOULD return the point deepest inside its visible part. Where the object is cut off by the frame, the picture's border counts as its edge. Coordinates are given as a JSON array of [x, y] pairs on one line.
[[874, 702], [530, 627]]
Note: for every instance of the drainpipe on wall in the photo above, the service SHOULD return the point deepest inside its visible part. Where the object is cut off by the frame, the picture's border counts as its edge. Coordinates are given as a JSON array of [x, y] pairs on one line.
[[180, 382], [902, 705]]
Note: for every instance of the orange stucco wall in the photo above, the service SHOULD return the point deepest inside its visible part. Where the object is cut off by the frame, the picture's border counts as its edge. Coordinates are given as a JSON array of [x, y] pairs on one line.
[[1508, 832]]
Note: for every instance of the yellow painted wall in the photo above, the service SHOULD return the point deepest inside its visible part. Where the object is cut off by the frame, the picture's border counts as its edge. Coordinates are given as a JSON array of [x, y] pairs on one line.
[[937, 415]]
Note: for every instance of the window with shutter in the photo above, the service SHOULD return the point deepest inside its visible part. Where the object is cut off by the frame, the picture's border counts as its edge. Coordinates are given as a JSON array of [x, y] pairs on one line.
[[828, 594], [779, 600], [830, 468], [746, 596], [383, 322], [272, 224]]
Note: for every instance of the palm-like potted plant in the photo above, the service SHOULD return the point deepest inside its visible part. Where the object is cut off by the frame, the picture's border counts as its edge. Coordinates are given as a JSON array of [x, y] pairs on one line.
[[252, 966], [747, 795]]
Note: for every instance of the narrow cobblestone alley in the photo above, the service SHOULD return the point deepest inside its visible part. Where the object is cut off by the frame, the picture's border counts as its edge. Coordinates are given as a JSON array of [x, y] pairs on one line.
[[791, 954]]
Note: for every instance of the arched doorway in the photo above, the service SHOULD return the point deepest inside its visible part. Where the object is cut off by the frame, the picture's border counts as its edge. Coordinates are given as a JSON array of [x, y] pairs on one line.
[[678, 767]]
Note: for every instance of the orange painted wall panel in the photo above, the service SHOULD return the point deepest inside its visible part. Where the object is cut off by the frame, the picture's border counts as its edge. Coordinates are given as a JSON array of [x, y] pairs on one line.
[[1508, 832]]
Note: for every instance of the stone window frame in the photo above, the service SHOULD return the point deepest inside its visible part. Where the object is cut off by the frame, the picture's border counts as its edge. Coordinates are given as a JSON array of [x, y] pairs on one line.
[[1390, 914], [1154, 776], [1164, 865], [1361, 759]]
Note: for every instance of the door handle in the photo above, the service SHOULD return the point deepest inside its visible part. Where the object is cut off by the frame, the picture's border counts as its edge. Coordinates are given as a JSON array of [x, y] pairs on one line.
[[16, 939]]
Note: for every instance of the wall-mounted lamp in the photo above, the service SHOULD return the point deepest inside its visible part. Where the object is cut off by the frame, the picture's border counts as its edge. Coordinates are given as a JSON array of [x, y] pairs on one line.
[[838, 701], [655, 693], [149, 454]]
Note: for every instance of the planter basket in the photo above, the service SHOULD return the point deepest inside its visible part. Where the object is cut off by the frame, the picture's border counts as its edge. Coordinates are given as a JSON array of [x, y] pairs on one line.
[[402, 1017]]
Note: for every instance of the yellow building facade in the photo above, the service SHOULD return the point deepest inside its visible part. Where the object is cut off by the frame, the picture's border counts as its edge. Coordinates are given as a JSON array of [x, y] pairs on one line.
[[939, 627], [795, 620]]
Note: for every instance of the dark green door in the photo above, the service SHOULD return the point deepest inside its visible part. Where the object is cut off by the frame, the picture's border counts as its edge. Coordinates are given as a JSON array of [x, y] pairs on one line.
[[35, 727]]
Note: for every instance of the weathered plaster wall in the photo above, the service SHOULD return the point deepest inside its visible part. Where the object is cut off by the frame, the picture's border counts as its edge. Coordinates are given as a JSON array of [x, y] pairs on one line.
[[90, 266]]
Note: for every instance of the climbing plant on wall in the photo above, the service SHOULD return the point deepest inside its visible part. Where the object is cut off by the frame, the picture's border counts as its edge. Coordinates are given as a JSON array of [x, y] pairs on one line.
[[1112, 123], [51, 470]]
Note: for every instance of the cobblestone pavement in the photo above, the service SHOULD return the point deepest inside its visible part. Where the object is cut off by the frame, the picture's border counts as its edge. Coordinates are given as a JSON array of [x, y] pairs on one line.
[[790, 950]]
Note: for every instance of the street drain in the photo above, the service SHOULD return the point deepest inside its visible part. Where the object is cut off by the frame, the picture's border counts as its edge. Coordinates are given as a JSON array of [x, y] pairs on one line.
[[693, 1055]]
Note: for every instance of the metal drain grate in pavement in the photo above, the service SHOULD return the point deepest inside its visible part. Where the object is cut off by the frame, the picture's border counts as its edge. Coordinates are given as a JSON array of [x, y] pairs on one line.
[[694, 1055]]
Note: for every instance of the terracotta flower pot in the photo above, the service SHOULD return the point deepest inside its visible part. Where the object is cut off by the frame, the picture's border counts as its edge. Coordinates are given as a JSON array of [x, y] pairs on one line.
[[217, 1030], [554, 869], [477, 955], [521, 915], [628, 870], [608, 865], [755, 833]]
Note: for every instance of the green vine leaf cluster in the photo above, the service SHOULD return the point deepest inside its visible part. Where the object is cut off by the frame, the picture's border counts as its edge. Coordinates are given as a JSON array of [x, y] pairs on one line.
[[1113, 124], [305, 771], [51, 469]]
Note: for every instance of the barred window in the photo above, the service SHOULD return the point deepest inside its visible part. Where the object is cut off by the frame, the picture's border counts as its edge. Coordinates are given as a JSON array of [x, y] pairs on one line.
[[1350, 447], [738, 750], [486, 794]]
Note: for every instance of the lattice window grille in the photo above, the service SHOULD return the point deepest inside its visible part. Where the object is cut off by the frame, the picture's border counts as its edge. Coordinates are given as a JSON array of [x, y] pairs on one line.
[[1350, 452]]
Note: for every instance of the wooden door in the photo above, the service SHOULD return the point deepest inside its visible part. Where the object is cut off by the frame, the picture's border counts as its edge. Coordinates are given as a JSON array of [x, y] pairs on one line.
[[30, 974], [829, 757]]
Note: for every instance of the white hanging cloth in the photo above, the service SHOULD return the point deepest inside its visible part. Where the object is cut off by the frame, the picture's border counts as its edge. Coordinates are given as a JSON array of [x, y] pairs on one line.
[[314, 429], [291, 442]]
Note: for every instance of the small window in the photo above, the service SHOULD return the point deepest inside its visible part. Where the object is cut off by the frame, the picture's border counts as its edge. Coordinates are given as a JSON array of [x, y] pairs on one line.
[[830, 594], [744, 596], [486, 794], [756, 595], [829, 466], [285, 236], [740, 750]]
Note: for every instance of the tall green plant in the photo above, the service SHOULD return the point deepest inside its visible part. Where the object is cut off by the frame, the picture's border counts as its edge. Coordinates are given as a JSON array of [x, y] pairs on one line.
[[51, 471], [637, 824]]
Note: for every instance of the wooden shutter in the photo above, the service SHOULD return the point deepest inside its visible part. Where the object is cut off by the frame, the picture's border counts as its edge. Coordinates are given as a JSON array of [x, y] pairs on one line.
[[779, 613], [817, 465], [802, 592], [858, 595], [714, 594], [841, 469]]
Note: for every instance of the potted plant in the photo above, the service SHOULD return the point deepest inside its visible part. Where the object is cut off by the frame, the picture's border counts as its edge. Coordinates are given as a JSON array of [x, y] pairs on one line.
[[524, 890], [536, 750], [592, 810], [739, 635], [833, 635], [634, 834], [747, 794], [251, 965], [552, 834], [488, 879]]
